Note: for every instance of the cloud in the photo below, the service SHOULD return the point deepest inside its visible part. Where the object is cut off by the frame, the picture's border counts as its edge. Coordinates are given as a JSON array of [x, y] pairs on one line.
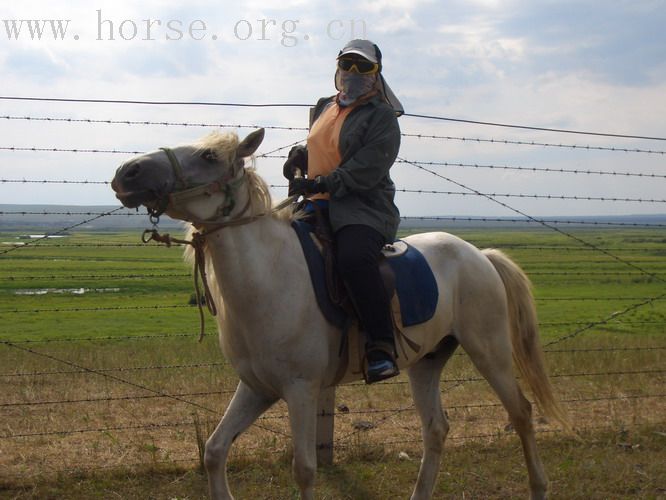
[[394, 5], [564, 64], [35, 63], [618, 43], [393, 25]]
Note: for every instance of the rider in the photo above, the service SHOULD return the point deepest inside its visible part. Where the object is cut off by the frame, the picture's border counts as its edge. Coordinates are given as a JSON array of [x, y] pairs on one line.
[[353, 141]]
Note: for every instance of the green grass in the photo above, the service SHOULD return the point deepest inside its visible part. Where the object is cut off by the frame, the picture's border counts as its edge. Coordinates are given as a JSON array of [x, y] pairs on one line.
[[145, 276], [136, 278], [610, 376]]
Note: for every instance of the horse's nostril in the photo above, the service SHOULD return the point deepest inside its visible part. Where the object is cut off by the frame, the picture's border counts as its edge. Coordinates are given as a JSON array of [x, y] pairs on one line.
[[132, 171]]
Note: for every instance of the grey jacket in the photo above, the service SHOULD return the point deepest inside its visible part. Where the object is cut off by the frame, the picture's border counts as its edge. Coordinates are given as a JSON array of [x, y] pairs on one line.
[[361, 188]]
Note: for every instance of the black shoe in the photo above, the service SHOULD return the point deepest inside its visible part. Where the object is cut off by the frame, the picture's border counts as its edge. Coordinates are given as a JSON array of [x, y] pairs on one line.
[[380, 367]]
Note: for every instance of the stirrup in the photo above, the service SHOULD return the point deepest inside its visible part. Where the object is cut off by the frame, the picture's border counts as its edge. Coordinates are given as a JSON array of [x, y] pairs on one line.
[[381, 371]]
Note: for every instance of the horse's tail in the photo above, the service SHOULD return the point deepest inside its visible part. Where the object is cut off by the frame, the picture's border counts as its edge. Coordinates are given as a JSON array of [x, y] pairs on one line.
[[527, 353]]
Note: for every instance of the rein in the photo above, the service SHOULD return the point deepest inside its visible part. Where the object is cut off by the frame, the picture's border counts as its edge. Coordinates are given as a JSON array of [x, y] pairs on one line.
[[228, 185]]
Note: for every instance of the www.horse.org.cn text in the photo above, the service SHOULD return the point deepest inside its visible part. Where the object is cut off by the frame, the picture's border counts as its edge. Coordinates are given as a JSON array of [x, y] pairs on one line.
[[287, 32]]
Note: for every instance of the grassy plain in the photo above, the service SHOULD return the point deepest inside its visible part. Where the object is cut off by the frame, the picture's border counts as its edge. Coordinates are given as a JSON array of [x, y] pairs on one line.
[[96, 329]]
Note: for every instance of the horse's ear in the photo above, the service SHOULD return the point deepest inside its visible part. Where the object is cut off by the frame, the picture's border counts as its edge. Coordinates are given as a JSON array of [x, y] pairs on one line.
[[250, 144]]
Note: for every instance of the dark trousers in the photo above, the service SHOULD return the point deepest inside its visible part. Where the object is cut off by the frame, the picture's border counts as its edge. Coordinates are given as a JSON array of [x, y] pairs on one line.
[[357, 251]]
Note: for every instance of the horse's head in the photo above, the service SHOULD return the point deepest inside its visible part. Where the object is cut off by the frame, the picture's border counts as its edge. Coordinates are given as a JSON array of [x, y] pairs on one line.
[[195, 182]]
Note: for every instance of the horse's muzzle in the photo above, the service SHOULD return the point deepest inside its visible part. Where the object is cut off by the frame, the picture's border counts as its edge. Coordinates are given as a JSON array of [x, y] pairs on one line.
[[133, 187], [133, 199]]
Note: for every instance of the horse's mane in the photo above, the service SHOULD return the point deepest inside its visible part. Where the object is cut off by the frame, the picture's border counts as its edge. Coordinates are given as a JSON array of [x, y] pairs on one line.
[[224, 146]]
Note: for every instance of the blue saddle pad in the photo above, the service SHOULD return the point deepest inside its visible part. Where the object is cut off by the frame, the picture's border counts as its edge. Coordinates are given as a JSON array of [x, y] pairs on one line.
[[415, 284]]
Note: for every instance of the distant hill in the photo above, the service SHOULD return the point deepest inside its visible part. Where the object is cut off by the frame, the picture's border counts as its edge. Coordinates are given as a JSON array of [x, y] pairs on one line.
[[51, 218], [82, 217]]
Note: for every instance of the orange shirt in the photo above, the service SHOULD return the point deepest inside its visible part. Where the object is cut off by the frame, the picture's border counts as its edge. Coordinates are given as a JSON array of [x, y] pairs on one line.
[[324, 143]]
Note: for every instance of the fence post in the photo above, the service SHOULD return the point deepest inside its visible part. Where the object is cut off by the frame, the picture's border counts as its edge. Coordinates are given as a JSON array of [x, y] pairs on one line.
[[325, 426]]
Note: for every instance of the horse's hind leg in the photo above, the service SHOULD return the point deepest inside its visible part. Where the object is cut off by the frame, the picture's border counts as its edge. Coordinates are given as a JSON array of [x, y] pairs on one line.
[[424, 381], [492, 357], [245, 407]]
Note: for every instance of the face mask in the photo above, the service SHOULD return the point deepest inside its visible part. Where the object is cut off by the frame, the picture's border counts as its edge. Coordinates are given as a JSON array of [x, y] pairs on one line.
[[353, 85]]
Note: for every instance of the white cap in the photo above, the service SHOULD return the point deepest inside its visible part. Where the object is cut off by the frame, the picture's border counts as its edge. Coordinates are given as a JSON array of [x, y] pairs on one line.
[[364, 48]]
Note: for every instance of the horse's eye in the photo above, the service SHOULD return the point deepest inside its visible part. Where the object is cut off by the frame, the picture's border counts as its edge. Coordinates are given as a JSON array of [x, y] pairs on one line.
[[209, 155]]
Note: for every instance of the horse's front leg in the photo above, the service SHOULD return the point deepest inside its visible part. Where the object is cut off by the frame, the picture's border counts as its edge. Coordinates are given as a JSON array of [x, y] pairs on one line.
[[301, 398], [245, 407]]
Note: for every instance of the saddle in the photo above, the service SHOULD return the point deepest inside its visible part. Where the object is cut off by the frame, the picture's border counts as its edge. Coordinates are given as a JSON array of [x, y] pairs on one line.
[[407, 278]]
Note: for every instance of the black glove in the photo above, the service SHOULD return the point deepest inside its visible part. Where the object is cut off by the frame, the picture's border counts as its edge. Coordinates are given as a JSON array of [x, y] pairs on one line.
[[297, 159], [302, 185]]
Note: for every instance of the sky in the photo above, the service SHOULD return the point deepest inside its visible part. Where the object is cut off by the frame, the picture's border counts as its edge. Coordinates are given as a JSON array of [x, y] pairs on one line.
[[576, 65]]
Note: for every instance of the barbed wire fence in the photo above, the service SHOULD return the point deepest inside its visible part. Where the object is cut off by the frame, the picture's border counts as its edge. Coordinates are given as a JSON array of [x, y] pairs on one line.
[[120, 376]]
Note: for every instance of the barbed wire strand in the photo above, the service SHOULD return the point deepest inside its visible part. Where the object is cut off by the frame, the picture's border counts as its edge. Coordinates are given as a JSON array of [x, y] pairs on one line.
[[455, 193], [149, 122], [181, 306], [46, 236], [540, 129], [124, 381], [70, 150], [55, 233], [155, 102], [404, 217], [137, 276], [540, 169], [51, 181], [606, 320], [397, 410], [94, 276], [137, 397], [115, 338], [270, 154], [532, 143], [529, 221], [532, 246], [568, 235], [520, 168], [534, 196], [514, 246], [305, 129], [545, 224], [91, 309], [107, 375], [116, 369], [301, 105], [218, 364]]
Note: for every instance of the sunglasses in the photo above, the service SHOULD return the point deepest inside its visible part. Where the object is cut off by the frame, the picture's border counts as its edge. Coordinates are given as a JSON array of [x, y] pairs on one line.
[[361, 66]]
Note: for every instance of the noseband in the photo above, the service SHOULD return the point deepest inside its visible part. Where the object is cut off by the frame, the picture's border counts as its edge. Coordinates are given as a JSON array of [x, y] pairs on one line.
[[227, 184]]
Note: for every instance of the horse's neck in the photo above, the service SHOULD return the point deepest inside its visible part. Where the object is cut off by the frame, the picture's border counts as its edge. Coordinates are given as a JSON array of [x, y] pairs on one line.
[[247, 259]]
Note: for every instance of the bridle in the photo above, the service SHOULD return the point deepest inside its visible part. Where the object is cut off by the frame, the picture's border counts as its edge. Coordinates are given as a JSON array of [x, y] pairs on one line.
[[183, 192], [227, 184]]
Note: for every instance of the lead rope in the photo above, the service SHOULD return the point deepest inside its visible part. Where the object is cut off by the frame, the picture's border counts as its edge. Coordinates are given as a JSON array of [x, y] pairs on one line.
[[197, 243]]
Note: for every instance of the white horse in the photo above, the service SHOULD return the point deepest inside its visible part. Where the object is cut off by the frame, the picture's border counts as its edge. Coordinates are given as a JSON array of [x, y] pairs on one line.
[[276, 338]]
